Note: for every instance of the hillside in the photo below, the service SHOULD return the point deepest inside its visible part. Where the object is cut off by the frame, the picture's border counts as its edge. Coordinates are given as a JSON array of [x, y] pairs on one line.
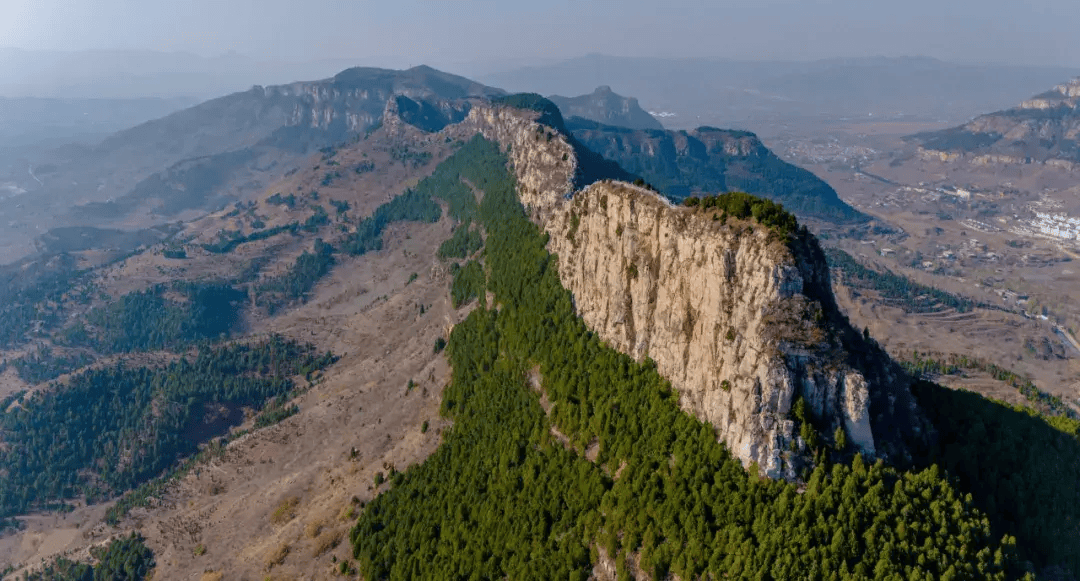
[[1041, 131], [604, 106], [225, 149], [464, 353], [710, 160]]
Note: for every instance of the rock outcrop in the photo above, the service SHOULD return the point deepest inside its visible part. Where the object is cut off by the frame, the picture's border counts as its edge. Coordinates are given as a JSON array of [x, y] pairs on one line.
[[741, 323], [1043, 130]]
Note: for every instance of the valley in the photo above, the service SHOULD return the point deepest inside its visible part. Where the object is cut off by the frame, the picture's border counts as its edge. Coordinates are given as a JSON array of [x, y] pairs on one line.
[[977, 231]]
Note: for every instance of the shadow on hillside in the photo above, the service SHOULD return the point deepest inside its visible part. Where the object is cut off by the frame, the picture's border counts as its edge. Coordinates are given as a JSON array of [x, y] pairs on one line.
[[1021, 470]]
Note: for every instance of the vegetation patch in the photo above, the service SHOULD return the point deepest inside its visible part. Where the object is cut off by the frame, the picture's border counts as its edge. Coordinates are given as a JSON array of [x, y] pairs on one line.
[[111, 429], [123, 559], [742, 206], [285, 511], [463, 243], [908, 294]]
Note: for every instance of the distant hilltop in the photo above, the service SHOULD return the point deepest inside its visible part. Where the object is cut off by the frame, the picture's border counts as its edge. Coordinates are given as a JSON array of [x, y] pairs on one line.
[[605, 106], [1042, 130]]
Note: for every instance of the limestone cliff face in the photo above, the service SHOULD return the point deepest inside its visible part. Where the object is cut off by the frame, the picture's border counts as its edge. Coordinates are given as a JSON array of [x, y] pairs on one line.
[[737, 321], [354, 100]]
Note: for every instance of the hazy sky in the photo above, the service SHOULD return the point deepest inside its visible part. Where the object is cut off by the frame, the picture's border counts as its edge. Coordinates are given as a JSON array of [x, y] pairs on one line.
[[447, 31]]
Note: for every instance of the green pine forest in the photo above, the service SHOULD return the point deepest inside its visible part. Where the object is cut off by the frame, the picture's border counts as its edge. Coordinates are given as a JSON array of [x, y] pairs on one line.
[[503, 497], [110, 429], [123, 559]]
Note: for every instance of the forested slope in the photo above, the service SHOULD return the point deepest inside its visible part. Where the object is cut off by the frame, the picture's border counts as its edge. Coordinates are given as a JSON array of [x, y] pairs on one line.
[[635, 478]]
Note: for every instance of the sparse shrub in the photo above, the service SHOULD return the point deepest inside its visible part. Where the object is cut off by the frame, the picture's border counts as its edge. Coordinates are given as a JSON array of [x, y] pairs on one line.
[[277, 556], [348, 513], [200, 550], [725, 385], [424, 427], [326, 541], [379, 479], [285, 511]]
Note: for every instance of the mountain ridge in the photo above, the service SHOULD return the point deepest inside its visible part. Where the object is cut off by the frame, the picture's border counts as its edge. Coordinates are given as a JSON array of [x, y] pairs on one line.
[[710, 160], [1042, 130]]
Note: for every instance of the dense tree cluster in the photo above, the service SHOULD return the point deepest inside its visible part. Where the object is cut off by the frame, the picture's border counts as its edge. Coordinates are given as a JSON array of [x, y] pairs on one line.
[[123, 559], [505, 496], [149, 320], [301, 277], [908, 294], [45, 365], [463, 243], [742, 206], [1021, 468], [109, 429], [31, 295], [412, 205], [549, 112], [468, 283]]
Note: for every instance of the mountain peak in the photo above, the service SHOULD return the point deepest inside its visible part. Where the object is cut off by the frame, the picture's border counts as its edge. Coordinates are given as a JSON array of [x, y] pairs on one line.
[[605, 106]]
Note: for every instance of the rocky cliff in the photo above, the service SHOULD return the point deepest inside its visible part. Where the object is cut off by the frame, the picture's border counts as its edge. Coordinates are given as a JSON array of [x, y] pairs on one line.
[[741, 323], [710, 160], [1043, 130], [186, 159]]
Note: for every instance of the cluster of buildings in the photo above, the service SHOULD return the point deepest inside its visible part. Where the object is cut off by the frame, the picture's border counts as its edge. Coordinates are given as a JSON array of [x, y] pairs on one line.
[[1057, 226]]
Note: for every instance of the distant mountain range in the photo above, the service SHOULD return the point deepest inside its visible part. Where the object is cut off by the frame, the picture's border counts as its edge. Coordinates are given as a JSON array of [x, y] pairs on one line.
[[227, 149], [189, 158], [744, 93], [709, 160], [1044, 129]]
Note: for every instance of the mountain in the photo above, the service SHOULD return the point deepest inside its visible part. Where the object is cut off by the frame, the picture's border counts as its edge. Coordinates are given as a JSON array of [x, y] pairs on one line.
[[745, 94], [629, 259], [479, 352], [604, 106], [222, 150], [1042, 130], [710, 160]]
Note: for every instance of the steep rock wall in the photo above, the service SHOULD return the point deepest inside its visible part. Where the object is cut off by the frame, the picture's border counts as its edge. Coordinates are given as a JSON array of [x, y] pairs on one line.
[[738, 323]]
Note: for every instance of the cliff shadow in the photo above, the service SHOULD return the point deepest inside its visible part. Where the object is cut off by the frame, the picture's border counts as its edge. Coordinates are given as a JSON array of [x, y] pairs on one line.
[[1021, 469]]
